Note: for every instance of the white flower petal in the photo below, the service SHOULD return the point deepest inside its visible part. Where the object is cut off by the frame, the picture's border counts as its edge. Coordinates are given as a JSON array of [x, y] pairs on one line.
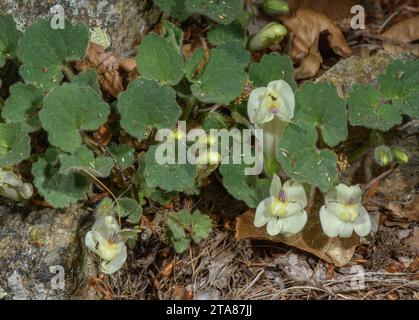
[[330, 223], [262, 114], [286, 110], [10, 178], [26, 190], [294, 224], [293, 209], [106, 225], [343, 194], [115, 264], [272, 132], [262, 214], [276, 185], [108, 250], [282, 209], [285, 114], [91, 240], [346, 231], [274, 226], [362, 225], [346, 213], [10, 193], [254, 102], [295, 192], [336, 208]]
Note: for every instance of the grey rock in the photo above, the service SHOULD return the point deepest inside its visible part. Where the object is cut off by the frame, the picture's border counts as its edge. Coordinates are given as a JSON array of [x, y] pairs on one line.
[[354, 69], [33, 243], [126, 21]]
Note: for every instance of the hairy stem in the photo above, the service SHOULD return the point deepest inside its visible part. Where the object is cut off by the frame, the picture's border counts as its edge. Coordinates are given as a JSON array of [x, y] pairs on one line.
[[374, 139], [190, 104], [68, 71]]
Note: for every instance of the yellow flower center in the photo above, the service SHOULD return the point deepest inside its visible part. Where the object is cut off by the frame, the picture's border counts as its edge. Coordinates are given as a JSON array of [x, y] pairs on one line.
[[278, 207], [108, 250], [350, 213], [272, 101]]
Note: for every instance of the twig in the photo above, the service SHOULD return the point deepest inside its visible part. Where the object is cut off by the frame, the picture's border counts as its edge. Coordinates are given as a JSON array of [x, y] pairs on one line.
[[387, 21]]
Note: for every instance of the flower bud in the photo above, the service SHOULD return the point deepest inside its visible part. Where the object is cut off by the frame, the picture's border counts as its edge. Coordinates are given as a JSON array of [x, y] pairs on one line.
[[207, 162], [399, 154], [383, 155], [210, 157], [274, 7], [270, 34], [177, 134]]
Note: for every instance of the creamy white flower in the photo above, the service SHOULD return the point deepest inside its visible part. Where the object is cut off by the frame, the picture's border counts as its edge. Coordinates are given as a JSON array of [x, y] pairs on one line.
[[275, 100], [283, 212], [12, 187], [104, 240], [343, 213]]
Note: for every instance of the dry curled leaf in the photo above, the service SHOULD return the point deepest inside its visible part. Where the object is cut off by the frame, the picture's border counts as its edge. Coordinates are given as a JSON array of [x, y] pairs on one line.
[[128, 64], [103, 135], [403, 33], [107, 68], [338, 251], [306, 26], [409, 211], [335, 10]]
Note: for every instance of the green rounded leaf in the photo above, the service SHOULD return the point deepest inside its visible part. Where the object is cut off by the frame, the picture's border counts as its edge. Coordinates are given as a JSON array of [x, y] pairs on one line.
[[400, 84], [174, 8], [159, 59], [59, 190], [221, 11], [236, 50], [147, 105], [69, 109], [9, 37], [22, 106], [14, 144], [130, 208], [221, 34], [222, 79], [122, 154], [365, 108], [201, 226], [301, 160], [272, 67], [319, 105], [173, 35], [169, 177], [82, 160], [193, 63], [89, 78], [247, 188], [44, 51]]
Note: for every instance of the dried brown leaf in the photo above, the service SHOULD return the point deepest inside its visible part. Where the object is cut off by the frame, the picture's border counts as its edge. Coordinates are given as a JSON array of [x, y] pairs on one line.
[[404, 32], [306, 26], [409, 211], [335, 10], [312, 239], [107, 68], [167, 269], [128, 64]]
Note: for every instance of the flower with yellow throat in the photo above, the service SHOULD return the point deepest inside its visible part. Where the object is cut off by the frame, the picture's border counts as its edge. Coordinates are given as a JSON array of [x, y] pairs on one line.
[[343, 213], [283, 212]]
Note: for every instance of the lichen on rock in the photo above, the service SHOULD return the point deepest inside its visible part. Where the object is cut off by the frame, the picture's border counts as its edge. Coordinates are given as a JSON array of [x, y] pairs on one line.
[[32, 241], [126, 22]]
